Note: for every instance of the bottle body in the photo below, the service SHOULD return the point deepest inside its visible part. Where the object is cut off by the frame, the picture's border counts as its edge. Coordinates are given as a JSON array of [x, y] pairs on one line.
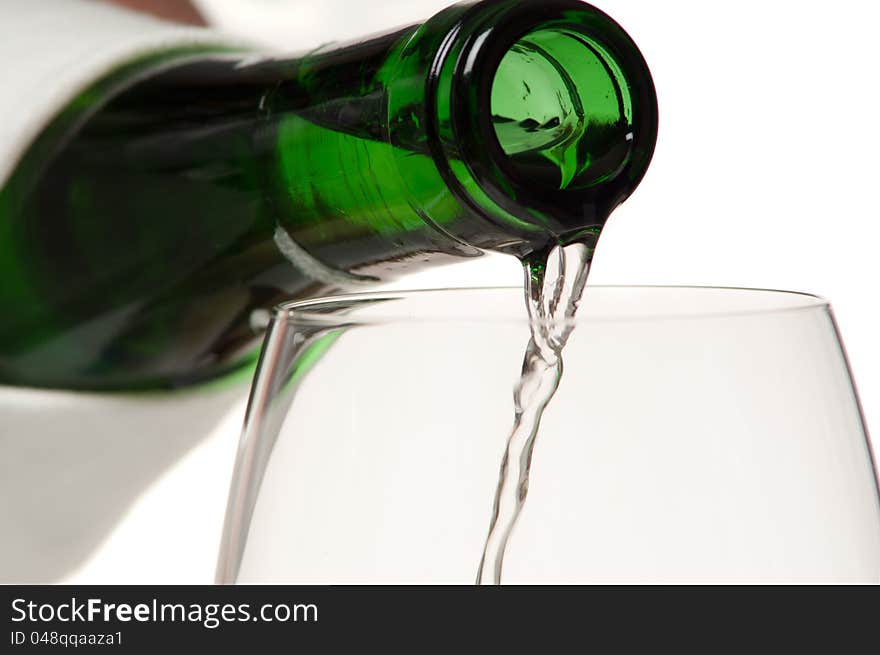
[[144, 232]]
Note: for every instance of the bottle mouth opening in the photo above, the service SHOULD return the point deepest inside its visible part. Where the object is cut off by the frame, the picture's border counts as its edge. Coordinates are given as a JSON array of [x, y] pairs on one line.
[[561, 110], [546, 114]]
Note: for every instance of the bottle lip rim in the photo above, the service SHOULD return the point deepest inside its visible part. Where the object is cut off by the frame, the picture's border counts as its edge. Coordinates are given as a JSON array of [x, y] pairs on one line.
[[318, 312], [481, 37]]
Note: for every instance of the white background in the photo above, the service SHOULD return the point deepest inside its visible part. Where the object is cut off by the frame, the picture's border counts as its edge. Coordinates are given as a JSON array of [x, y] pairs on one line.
[[765, 175]]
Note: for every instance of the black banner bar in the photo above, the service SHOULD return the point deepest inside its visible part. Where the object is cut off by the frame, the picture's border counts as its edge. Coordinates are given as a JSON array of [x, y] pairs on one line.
[[416, 618]]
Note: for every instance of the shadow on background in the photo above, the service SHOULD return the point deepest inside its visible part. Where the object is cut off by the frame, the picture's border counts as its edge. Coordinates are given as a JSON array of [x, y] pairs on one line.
[[72, 464]]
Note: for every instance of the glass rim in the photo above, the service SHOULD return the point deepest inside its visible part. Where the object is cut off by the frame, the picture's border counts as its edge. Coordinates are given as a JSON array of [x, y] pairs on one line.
[[320, 310]]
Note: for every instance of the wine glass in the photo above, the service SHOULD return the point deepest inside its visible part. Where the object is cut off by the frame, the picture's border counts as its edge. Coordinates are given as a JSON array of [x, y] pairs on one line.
[[697, 435]]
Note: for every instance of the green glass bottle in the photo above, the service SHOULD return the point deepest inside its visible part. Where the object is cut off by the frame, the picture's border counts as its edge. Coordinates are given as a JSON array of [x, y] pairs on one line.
[[169, 202]]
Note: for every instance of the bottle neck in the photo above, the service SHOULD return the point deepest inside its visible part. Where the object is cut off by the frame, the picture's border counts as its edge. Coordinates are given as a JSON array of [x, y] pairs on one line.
[[497, 125]]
